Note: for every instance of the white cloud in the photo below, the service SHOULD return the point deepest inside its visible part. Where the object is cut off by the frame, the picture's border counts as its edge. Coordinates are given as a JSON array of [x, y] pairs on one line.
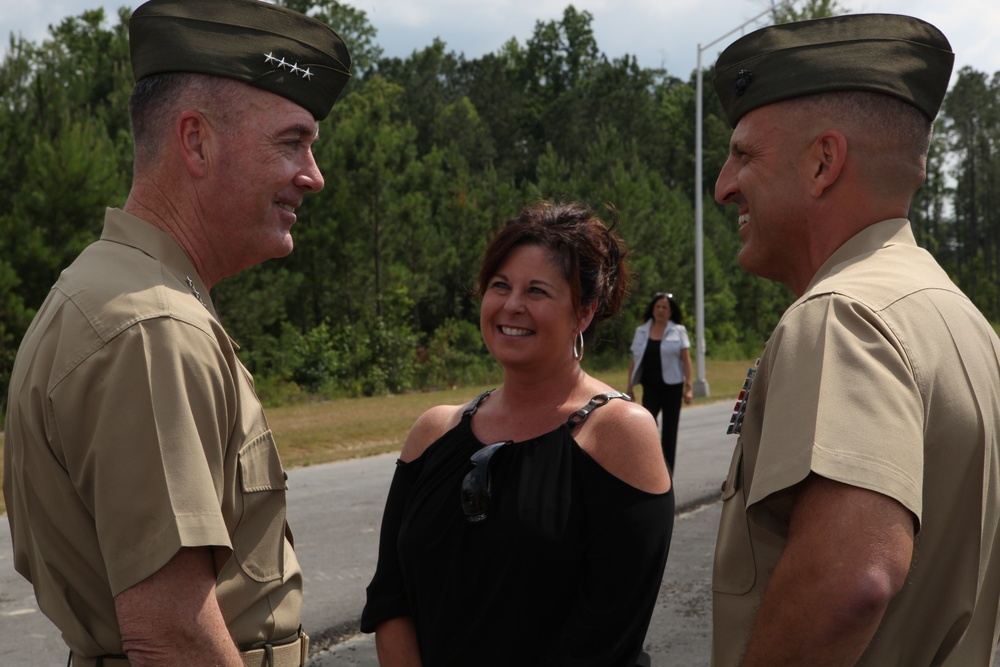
[[660, 33]]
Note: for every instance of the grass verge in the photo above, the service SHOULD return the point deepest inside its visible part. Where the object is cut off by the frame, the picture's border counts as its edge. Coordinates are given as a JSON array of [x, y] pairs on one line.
[[349, 428]]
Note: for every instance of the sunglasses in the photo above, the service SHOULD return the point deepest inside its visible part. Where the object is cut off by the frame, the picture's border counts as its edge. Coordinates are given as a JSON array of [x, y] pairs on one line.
[[476, 485]]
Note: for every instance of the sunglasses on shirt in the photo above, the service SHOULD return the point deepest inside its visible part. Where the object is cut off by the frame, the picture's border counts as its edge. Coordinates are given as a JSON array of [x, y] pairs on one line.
[[477, 484]]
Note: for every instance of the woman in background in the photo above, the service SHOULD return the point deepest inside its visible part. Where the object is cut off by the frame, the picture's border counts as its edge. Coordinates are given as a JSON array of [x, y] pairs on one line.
[[530, 526], [661, 363]]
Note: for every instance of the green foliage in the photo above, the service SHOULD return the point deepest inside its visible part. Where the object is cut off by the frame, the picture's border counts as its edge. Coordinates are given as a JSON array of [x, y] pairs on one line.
[[424, 158], [67, 155], [14, 320], [336, 359], [62, 143], [811, 9], [351, 24], [456, 356], [968, 243]]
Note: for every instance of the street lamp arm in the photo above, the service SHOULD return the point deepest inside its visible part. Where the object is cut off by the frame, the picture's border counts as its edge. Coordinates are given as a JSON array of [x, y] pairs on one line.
[[701, 383], [736, 29]]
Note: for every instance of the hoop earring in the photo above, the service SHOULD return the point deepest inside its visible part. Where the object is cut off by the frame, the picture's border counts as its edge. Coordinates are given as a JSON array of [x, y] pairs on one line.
[[578, 349]]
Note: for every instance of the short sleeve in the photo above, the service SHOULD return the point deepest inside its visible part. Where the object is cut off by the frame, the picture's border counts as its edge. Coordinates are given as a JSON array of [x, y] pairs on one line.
[[150, 410], [628, 538], [386, 594], [685, 341], [638, 343], [841, 402]]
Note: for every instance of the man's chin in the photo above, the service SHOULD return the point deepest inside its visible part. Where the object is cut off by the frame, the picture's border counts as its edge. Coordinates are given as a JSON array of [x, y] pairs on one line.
[[747, 263], [279, 249], [285, 245]]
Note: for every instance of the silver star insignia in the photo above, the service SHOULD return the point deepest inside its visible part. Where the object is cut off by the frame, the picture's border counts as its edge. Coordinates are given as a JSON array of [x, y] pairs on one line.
[[271, 59]]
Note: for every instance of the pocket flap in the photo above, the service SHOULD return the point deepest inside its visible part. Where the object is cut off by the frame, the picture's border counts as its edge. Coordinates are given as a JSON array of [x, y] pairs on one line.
[[732, 482], [260, 466]]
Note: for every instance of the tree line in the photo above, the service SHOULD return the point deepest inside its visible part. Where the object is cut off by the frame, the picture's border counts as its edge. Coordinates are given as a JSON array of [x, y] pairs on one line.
[[424, 158]]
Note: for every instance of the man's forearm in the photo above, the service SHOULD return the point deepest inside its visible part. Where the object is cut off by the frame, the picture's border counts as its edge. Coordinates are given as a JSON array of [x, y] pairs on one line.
[[800, 623], [847, 555]]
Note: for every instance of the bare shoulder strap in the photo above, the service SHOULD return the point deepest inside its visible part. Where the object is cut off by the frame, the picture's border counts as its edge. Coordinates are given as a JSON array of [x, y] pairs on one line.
[[581, 415], [474, 405]]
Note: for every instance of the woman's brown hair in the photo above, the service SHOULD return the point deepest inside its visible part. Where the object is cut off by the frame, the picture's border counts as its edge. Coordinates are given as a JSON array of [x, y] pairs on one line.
[[590, 253]]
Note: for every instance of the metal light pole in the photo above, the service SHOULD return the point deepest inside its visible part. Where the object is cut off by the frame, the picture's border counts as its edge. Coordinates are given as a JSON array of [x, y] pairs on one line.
[[701, 383]]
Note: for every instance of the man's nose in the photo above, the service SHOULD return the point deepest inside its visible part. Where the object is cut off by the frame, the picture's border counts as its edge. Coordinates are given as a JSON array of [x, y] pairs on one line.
[[725, 185]]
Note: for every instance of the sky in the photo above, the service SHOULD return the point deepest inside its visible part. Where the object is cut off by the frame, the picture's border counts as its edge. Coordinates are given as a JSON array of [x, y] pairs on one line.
[[659, 33]]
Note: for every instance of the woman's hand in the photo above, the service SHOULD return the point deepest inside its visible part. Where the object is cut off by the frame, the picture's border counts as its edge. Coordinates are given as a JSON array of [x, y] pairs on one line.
[[688, 393]]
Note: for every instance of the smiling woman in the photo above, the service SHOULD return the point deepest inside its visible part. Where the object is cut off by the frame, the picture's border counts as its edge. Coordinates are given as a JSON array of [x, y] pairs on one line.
[[547, 497], [526, 315]]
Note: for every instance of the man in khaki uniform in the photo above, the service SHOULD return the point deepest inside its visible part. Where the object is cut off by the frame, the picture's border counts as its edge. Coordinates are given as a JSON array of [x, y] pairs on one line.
[[144, 491], [861, 510]]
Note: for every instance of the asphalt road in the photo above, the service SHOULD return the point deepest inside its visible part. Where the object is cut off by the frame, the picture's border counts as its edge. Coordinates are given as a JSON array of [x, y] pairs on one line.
[[335, 511]]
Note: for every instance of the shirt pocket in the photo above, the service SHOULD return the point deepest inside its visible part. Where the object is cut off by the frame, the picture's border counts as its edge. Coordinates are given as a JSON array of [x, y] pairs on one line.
[[734, 571], [258, 542]]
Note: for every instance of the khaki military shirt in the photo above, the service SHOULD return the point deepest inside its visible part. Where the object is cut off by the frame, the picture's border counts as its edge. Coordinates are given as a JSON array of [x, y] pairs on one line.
[[133, 430], [883, 375]]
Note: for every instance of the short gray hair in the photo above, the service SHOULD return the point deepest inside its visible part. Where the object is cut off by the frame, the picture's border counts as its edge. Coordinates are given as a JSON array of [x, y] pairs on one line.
[[157, 99], [894, 121]]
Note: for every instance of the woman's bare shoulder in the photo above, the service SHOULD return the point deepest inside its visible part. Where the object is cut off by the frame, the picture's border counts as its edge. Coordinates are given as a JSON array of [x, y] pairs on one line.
[[430, 426], [623, 438]]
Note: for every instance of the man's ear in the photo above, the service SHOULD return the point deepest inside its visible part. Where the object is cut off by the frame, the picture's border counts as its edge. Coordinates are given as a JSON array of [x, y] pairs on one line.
[[827, 155], [193, 135]]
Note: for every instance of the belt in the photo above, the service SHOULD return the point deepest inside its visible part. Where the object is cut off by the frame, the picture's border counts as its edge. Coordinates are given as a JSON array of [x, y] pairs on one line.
[[291, 654], [78, 660], [265, 654]]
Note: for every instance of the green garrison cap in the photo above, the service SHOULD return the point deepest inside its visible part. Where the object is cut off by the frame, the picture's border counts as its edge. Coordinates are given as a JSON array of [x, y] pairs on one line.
[[890, 54], [266, 46]]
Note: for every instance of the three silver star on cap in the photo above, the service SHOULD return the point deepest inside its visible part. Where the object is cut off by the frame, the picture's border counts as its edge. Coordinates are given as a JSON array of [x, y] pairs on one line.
[[293, 68]]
